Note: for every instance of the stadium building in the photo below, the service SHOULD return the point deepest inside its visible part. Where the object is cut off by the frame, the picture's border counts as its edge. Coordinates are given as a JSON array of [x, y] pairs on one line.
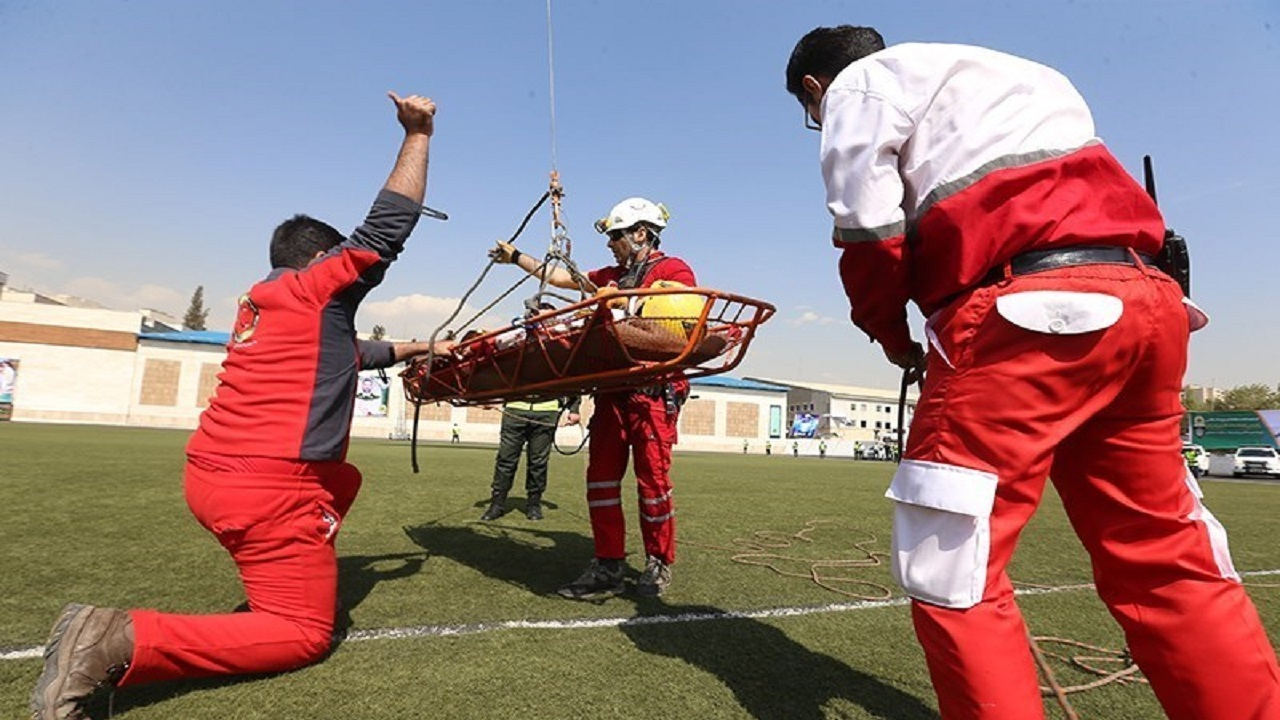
[[844, 414], [67, 360]]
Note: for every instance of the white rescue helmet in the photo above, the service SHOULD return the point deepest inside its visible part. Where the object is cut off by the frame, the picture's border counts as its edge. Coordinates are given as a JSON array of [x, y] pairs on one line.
[[631, 212]]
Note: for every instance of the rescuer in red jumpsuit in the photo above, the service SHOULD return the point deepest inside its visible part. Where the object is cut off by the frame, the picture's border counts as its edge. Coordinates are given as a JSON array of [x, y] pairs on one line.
[[638, 423], [971, 182]]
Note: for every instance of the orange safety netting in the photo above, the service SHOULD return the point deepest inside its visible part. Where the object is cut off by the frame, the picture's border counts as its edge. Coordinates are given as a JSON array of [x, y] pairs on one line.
[[591, 346]]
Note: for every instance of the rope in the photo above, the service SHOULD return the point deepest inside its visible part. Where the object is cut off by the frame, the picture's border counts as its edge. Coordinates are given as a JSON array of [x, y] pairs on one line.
[[413, 443], [559, 252], [761, 551], [1128, 672], [1058, 692], [555, 424], [909, 376], [902, 409], [1088, 664], [431, 341], [551, 83]]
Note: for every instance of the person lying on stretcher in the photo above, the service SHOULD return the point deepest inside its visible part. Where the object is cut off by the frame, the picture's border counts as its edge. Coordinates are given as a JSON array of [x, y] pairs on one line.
[[657, 322]]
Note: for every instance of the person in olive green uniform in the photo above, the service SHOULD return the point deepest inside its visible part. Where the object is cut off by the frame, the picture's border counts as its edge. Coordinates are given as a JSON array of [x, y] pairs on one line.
[[530, 426]]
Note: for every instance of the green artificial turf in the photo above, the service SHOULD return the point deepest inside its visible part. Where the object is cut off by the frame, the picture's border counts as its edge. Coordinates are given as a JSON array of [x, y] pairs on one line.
[[97, 515]]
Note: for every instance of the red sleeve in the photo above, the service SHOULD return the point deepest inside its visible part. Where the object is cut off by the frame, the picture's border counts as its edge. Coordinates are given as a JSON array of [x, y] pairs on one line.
[[875, 280], [601, 277], [335, 272], [363, 258]]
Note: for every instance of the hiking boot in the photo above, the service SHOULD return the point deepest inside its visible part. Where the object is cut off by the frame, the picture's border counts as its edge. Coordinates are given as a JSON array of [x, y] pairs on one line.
[[497, 507], [533, 508], [655, 578], [89, 648], [601, 579]]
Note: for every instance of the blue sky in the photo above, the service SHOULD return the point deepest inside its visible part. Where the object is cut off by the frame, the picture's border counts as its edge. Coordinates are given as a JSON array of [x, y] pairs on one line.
[[150, 147]]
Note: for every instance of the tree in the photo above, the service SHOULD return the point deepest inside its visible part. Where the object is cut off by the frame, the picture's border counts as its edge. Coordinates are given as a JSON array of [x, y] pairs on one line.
[[378, 333], [1247, 397], [197, 313]]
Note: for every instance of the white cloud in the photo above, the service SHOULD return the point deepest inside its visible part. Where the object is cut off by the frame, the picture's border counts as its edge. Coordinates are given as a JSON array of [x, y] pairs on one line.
[[418, 315], [809, 317], [118, 297], [29, 270], [36, 261]]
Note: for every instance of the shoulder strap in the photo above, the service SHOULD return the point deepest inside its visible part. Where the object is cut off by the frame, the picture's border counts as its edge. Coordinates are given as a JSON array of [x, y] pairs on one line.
[[635, 275]]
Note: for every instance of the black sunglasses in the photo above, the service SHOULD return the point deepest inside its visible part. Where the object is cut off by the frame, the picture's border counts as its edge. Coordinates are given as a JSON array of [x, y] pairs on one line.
[[809, 122]]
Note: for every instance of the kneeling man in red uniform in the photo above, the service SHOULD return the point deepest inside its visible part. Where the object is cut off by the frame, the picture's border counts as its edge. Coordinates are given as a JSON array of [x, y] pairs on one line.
[[266, 470]]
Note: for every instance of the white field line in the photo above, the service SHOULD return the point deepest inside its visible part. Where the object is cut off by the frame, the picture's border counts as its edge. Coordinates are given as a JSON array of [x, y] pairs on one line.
[[421, 631]]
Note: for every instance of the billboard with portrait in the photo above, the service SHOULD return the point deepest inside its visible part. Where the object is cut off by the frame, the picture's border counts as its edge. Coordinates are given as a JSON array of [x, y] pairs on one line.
[[8, 381], [372, 393]]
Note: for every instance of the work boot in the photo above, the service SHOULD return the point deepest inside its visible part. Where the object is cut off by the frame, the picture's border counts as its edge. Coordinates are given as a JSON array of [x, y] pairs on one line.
[[655, 578], [533, 507], [601, 579], [497, 507], [89, 648]]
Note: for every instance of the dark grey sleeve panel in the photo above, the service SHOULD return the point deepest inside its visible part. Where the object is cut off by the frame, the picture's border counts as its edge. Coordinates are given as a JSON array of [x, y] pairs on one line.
[[375, 354], [387, 226], [385, 229], [364, 256], [572, 403]]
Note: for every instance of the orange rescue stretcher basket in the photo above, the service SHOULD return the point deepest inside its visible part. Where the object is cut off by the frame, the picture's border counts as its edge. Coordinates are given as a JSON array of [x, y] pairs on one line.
[[592, 346]]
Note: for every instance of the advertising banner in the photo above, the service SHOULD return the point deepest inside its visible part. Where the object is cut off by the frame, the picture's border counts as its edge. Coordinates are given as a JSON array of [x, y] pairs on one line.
[[1230, 429], [805, 425]]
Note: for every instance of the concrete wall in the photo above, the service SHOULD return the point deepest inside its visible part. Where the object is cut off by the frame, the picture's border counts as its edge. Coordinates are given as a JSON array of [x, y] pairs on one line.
[[172, 382], [75, 364], [84, 365], [720, 418]]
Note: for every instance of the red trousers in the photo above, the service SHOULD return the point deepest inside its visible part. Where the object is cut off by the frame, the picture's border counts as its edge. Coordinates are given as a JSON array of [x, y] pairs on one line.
[[632, 423], [1023, 387], [278, 519]]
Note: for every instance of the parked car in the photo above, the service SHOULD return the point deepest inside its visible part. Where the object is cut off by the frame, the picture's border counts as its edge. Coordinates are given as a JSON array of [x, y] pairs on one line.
[[1257, 461], [1197, 459]]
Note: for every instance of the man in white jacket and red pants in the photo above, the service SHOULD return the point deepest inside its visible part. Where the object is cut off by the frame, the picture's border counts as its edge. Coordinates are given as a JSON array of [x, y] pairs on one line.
[[970, 182]]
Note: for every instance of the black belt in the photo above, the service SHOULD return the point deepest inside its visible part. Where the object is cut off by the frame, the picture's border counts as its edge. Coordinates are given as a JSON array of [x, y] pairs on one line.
[[1041, 260]]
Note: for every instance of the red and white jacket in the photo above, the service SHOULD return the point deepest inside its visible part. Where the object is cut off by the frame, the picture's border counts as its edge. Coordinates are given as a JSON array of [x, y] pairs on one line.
[[942, 162]]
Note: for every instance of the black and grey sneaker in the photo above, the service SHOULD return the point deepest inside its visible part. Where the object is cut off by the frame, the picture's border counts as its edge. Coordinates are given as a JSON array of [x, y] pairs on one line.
[[655, 578], [601, 579]]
